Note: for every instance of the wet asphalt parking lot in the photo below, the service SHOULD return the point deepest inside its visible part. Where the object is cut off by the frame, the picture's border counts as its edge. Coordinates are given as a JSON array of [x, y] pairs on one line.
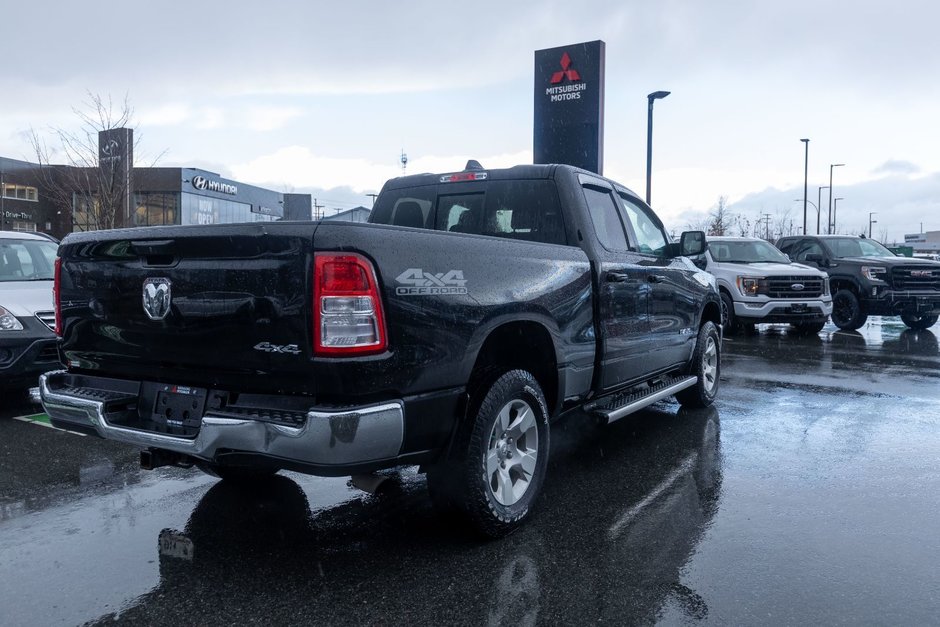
[[810, 494]]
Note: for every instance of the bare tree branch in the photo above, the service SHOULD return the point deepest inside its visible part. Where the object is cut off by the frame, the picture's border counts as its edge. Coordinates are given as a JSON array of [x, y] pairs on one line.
[[95, 189]]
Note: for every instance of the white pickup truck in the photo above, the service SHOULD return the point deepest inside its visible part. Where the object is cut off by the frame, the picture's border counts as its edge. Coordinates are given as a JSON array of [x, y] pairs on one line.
[[758, 283]]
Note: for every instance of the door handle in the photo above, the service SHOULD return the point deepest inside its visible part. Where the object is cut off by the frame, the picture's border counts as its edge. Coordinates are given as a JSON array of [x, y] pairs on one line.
[[617, 277], [656, 278]]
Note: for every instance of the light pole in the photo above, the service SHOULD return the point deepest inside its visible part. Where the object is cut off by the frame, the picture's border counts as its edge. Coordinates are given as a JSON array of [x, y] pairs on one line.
[[814, 206], [835, 212], [870, 222], [656, 95], [805, 179], [818, 205], [831, 222]]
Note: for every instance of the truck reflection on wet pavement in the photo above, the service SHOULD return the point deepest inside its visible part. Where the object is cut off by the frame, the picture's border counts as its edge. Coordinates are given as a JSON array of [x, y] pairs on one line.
[[391, 558]]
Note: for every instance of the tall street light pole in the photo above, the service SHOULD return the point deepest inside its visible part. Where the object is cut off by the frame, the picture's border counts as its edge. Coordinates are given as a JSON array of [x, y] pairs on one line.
[[656, 95], [819, 205], [831, 223], [814, 206], [870, 222], [835, 212], [805, 179]]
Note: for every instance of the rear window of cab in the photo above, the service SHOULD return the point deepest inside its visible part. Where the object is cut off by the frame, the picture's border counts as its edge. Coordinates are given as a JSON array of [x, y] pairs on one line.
[[522, 210]]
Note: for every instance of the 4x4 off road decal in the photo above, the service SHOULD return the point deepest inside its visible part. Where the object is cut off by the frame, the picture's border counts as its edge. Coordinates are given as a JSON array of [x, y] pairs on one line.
[[417, 282]]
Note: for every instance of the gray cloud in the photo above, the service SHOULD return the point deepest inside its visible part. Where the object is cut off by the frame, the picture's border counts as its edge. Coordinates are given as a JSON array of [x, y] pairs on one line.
[[897, 166]]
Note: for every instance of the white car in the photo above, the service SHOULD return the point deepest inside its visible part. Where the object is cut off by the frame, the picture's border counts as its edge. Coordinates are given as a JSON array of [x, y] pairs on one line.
[[758, 283], [27, 310]]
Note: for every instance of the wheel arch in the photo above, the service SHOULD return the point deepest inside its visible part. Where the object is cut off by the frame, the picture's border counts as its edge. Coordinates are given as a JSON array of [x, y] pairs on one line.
[[840, 283], [711, 312], [520, 344]]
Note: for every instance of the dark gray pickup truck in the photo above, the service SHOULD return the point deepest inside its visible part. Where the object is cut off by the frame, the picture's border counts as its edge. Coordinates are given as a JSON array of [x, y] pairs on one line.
[[476, 308]]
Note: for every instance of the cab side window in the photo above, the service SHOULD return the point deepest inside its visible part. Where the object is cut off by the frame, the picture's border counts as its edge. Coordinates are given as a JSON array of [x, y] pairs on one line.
[[606, 218], [804, 248], [649, 235]]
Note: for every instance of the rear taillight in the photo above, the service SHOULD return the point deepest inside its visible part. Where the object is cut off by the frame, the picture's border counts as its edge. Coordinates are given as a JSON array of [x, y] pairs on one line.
[[348, 317], [56, 286]]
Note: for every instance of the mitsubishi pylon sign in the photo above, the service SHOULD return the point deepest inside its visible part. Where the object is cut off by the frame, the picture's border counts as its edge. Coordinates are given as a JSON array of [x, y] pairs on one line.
[[569, 106]]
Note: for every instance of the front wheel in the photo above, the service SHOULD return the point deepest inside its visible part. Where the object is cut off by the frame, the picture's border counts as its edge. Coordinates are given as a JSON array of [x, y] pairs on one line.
[[728, 319], [919, 322], [706, 365], [501, 457], [847, 312]]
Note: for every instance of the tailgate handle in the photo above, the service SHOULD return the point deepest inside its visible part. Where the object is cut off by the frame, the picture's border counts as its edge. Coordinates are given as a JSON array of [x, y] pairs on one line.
[[154, 247]]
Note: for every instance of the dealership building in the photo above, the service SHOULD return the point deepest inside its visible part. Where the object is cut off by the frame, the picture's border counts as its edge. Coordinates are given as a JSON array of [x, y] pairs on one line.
[[928, 242], [55, 199]]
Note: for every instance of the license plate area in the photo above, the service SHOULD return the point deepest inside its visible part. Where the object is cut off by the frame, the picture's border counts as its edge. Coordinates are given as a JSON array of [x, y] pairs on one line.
[[177, 409], [798, 308]]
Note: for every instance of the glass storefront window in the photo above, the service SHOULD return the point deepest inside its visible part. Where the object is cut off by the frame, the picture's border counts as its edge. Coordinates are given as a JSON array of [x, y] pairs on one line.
[[155, 208], [20, 192], [195, 209]]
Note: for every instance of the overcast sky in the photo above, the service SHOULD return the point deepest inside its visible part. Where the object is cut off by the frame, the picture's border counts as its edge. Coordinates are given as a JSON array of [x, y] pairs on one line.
[[323, 97]]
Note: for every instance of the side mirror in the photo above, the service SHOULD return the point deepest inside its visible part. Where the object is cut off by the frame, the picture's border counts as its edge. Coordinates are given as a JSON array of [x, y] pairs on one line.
[[816, 258], [692, 243]]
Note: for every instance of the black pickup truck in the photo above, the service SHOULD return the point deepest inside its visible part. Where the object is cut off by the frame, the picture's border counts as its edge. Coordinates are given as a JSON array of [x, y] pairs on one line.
[[868, 279], [476, 308]]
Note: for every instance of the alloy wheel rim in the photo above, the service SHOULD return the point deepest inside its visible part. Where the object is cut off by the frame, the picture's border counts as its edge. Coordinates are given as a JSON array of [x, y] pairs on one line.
[[710, 364], [512, 452], [842, 309]]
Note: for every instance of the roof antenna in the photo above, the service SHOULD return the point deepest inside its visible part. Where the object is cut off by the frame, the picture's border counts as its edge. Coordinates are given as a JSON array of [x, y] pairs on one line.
[[473, 164]]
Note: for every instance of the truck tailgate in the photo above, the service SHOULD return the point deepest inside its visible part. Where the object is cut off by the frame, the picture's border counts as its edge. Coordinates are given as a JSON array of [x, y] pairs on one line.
[[200, 304]]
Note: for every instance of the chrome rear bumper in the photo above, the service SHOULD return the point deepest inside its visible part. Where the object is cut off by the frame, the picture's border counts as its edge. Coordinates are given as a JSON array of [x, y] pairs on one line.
[[329, 437]]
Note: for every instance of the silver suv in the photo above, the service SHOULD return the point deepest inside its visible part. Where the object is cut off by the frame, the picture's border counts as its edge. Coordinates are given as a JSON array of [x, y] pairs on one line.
[[758, 283], [27, 312]]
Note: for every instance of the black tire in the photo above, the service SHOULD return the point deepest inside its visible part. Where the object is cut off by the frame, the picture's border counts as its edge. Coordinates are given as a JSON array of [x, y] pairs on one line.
[[846, 311], [919, 322], [237, 474], [809, 328], [728, 320], [497, 443], [706, 365]]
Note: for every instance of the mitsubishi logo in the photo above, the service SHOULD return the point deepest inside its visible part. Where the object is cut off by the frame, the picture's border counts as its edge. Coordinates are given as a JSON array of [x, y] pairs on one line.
[[571, 75], [156, 298]]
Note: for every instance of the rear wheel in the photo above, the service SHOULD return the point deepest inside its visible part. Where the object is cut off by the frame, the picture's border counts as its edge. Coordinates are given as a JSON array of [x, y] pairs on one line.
[[706, 365], [500, 459], [919, 322], [846, 311]]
